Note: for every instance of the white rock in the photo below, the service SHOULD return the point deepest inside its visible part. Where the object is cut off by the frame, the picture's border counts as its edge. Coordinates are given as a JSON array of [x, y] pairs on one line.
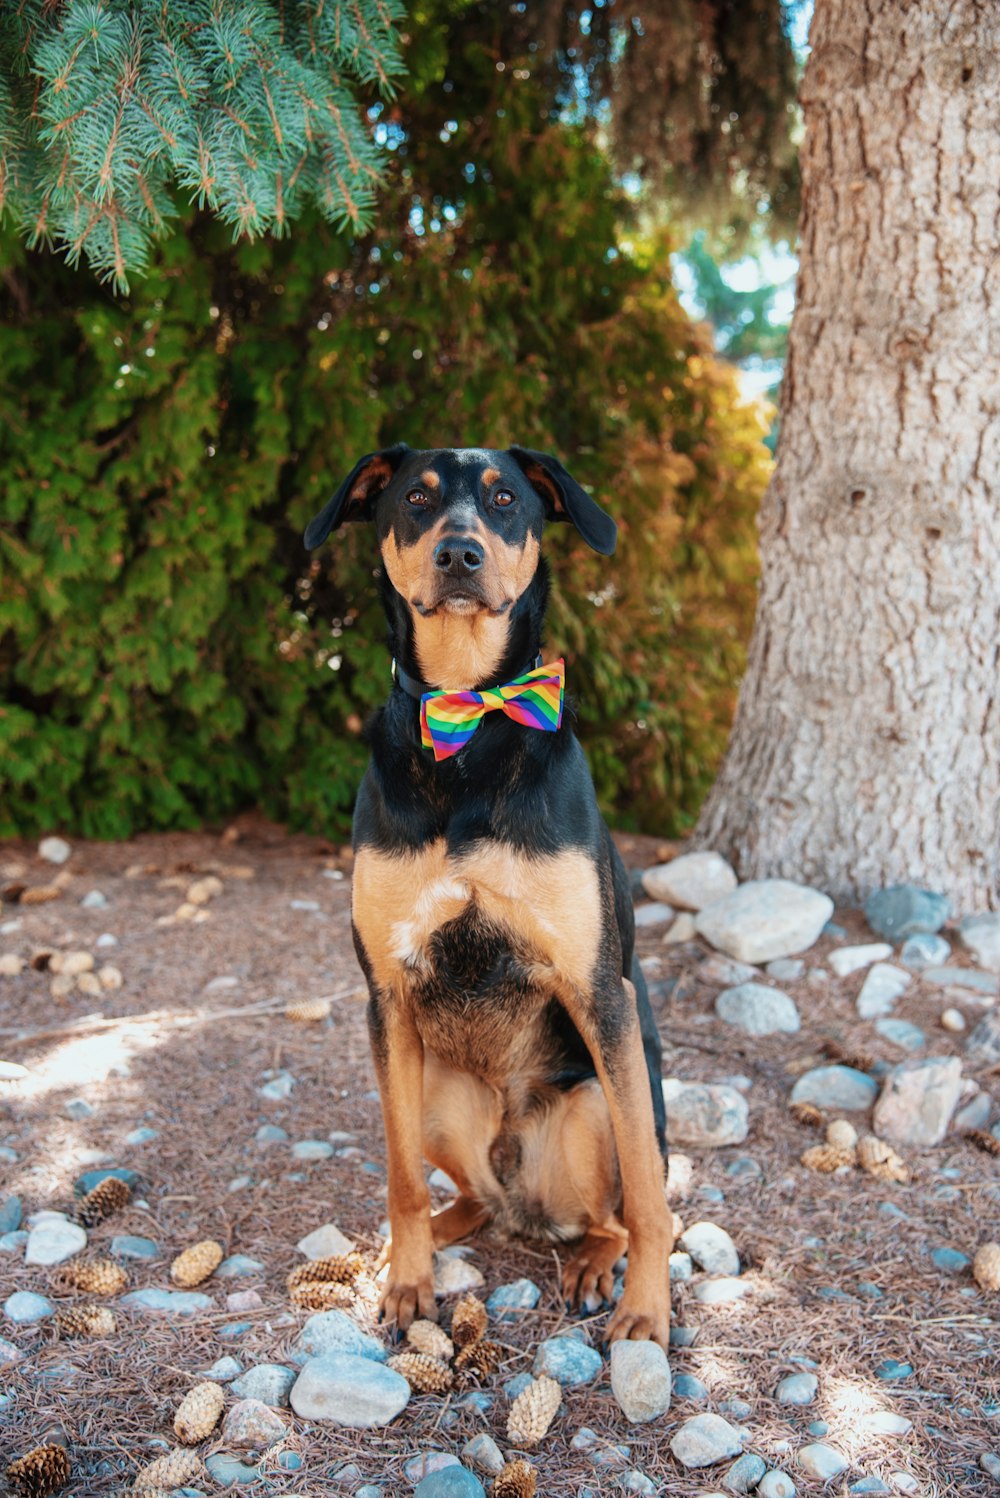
[[54, 1240], [885, 1423], [11, 966], [704, 1440], [640, 1380], [656, 914], [764, 919], [711, 1247], [822, 1462], [953, 1019], [455, 1276], [54, 849], [775, 1484], [722, 1290], [880, 990], [980, 934], [349, 1390], [683, 929], [846, 960], [324, 1243], [918, 1099], [94, 899], [704, 1116], [692, 881], [757, 1010]]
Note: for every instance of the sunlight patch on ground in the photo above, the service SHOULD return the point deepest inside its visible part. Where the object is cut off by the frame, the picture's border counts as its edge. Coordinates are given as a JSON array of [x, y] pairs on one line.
[[88, 1060]]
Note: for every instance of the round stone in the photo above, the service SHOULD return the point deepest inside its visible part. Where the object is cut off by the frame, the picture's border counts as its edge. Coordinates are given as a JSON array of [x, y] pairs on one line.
[[711, 1247], [757, 1010], [349, 1390], [640, 1380], [568, 1361], [797, 1388], [704, 1440]]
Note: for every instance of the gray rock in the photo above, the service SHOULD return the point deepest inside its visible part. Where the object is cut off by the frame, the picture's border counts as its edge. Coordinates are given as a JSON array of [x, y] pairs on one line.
[[900, 1032], [223, 1369], [706, 1117], [7, 1155], [917, 1101], [655, 914], [681, 930], [229, 1472], [508, 1301], [279, 1087], [849, 959], [868, 1485], [744, 1475], [250, 1425], [11, 1213], [711, 1247], [453, 1276], [975, 1114], [54, 1240], [885, 1423], [797, 1388], [268, 1383], [349, 1390], [312, 1149], [990, 1465], [721, 1291], [168, 1302], [918, 952], [692, 881], [723, 970], [744, 1169], [786, 969], [835, 1087], [78, 1108], [972, 978], [704, 1440], [980, 935], [124, 1246], [568, 1361], [892, 1370], [681, 1268], [271, 1134], [54, 849], [25, 1307], [822, 1462], [686, 1386], [739, 1409], [903, 910], [640, 1380], [237, 1266], [91, 1178], [764, 919], [233, 1330], [94, 899], [369, 1490], [452, 1482], [882, 987], [983, 1045], [517, 1385], [12, 1243], [776, 1484], [324, 1242], [142, 1136], [950, 1260], [9, 1353], [635, 1481], [335, 1331], [757, 1010], [483, 1452], [427, 1462]]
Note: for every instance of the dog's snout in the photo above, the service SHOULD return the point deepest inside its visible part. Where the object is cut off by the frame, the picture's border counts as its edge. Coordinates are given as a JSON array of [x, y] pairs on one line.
[[458, 555]]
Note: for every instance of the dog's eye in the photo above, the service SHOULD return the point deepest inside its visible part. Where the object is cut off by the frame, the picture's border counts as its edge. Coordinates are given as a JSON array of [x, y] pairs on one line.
[[503, 498], [418, 499]]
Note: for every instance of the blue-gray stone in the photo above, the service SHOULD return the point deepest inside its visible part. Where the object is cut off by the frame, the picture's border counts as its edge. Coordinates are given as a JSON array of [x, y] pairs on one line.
[[797, 1388], [483, 1452], [517, 1385], [223, 1369], [168, 1302], [269, 1382], [230, 1472], [757, 1010], [836, 1087], [24, 1307], [834, 931], [868, 1485], [745, 1473], [822, 1462], [900, 1032], [92, 1178], [683, 1336], [818, 1428], [238, 1265], [903, 910], [635, 1481], [289, 1461], [124, 1246], [507, 1300], [744, 1169], [142, 1136], [686, 1386], [971, 978], [711, 1193], [738, 1408], [11, 1213], [704, 1440], [335, 1331], [786, 969], [426, 1463], [312, 1149], [370, 1490], [7, 1155], [711, 1247], [681, 1268], [78, 1108], [475, 1399], [889, 1209], [919, 952], [12, 1243], [9, 1353], [233, 1330], [271, 1134], [868, 1291], [452, 1482], [950, 1260], [776, 1484], [568, 1361], [353, 1391], [891, 1370], [800, 1359]]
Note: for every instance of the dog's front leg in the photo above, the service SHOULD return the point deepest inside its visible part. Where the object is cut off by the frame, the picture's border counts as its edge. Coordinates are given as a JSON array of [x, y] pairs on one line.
[[399, 1064], [610, 1026]]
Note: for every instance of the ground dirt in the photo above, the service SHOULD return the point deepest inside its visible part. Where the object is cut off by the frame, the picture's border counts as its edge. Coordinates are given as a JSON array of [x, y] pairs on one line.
[[187, 1058]]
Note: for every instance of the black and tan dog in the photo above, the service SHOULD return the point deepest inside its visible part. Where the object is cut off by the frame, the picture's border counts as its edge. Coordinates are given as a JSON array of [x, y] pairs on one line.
[[512, 1034]]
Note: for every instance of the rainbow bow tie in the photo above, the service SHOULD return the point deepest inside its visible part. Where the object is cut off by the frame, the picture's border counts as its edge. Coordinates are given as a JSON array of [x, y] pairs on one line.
[[449, 719]]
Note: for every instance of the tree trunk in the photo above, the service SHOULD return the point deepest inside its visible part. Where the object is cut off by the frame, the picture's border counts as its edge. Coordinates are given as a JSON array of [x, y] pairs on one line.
[[866, 748]]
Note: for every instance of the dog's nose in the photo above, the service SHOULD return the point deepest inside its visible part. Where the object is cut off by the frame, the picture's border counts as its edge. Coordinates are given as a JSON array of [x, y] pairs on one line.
[[458, 555]]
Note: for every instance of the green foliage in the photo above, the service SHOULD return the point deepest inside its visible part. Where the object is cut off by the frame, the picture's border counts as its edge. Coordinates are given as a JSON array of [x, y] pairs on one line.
[[168, 651], [109, 107]]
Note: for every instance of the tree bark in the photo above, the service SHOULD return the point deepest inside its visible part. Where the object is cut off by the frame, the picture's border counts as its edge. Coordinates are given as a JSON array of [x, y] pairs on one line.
[[866, 749]]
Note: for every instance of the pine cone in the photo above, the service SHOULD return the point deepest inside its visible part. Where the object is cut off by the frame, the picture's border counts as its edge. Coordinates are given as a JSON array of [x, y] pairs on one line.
[[428, 1337], [62, 986], [85, 1321], [177, 1469], [196, 1263], [88, 983], [203, 890], [808, 1114], [108, 1196], [40, 1472], [341, 1269], [986, 1266], [425, 1375], [198, 1413], [826, 1158], [40, 894], [99, 1277], [841, 1135], [517, 1480], [479, 1359], [307, 1010], [75, 963], [881, 1161], [110, 976], [984, 1140], [533, 1411], [468, 1321], [321, 1295]]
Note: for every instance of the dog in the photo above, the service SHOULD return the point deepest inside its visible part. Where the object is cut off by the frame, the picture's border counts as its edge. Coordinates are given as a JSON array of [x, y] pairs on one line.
[[510, 1025]]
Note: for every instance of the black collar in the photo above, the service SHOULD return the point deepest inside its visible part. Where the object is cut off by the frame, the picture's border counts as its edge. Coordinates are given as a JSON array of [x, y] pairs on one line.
[[417, 688]]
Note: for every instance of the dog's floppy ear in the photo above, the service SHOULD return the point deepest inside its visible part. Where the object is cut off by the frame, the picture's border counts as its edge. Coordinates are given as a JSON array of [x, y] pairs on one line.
[[353, 500], [565, 500]]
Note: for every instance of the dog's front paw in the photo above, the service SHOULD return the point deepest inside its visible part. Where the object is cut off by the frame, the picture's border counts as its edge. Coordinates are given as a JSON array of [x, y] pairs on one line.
[[405, 1298], [641, 1322]]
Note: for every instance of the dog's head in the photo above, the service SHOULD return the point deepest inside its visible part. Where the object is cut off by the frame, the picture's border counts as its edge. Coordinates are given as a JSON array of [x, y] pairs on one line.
[[459, 529]]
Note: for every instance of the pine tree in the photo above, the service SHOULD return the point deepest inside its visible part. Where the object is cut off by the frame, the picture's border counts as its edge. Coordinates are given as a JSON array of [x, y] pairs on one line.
[[111, 108]]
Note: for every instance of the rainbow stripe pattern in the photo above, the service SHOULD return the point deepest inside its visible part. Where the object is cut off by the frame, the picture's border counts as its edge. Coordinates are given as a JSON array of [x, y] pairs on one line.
[[449, 719]]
